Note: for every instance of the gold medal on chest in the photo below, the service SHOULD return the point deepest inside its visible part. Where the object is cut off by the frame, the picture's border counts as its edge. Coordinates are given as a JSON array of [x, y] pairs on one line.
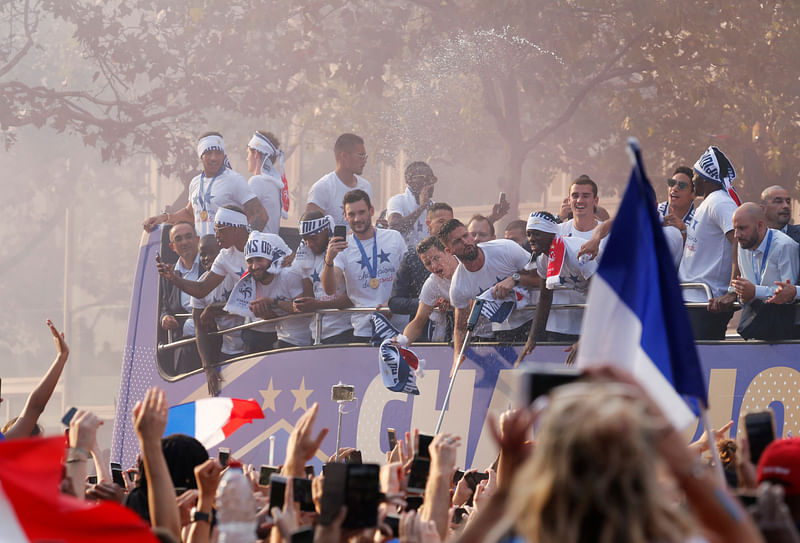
[[374, 283], [204, 215]]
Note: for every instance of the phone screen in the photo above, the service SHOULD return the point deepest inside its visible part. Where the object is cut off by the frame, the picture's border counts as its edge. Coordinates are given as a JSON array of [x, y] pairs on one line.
[[263, 475], [302, 493], [760, 428], [116, 474], [418, 477], [424, 442], [333, 491], [224, 455], [310, 471], [392, 435], [363, 495], [340, 231], [354, 458], [67, 418], [277, 490]]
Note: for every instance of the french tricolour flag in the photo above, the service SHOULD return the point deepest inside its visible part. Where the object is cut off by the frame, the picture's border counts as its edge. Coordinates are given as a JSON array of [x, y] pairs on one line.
[[635, 317], [211, 420]]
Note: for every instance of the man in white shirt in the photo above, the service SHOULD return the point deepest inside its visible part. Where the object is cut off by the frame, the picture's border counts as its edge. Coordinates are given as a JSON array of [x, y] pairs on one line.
[[498, 265], [406, 211], [230, 224], [327, 194], [434, 298], [367, 262], [266, 182], [216, 186], [766, 257], [316, 231], [709, 254]]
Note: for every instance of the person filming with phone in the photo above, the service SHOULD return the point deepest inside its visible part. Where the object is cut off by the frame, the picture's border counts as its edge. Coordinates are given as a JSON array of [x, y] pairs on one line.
[[407, 211]]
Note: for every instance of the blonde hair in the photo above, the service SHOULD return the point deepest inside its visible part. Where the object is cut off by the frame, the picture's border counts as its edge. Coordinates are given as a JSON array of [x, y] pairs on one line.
[[592, 476]]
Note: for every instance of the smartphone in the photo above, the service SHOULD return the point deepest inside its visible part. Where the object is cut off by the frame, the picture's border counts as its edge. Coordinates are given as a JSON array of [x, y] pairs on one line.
[[502, 199], [474, 478], [538, 379], [418, 477], [67, 418], [277, 490], [393, 521], [340, 231], [131, 475], [760, 429], [180, 490], [333, 491], [263, 475], [457, 476], [304, 534], [362, 495], [423, 443], [310, 471], [116, 474], [354, 458], [224, 455], [92, 479], [413, 503], [458, 515], [302, 494], [392, 435]]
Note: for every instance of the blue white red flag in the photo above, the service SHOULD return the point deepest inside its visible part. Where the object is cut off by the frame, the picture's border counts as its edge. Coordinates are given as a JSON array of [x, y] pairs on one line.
[[498, 310], [398, 367], [635, 317], [382, 329], [211, 420]]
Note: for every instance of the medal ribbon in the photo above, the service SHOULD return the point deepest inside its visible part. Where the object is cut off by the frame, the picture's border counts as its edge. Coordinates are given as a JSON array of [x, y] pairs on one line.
[[760, 273], [373, 270], [204, 197]]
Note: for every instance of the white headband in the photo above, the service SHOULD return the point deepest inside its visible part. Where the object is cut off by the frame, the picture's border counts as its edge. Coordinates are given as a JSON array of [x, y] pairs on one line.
[[229, 217], [541, 222], [266, 245], [261, 143], [210, 143], [314, 226]]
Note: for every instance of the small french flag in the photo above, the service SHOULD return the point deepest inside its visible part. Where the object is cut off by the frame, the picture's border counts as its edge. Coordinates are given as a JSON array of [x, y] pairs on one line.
[[211, 420]]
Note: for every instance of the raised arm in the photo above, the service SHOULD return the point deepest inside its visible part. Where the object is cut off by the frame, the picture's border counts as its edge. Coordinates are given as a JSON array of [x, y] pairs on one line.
[[331, 275], [414, 328], [539, 321], [38, 398], [198, 289], [185, 214]]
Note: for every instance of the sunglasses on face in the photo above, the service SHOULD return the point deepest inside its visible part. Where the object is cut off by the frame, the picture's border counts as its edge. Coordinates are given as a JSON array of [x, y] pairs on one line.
[[681, 184]]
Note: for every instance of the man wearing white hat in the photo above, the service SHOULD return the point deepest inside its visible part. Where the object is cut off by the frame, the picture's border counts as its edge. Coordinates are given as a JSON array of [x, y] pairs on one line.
[[265, 163], [216, 186], [709, 254]]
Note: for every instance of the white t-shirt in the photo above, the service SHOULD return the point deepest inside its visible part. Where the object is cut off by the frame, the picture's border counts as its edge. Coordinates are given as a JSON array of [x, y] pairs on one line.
[[192, 274], [674, 239], [309, 266], [502, 258], [228, 188], [230, 261], [231, 343], [390, 251], [707, 252], [434, 288], [404, 204], [268, 191], [329, 191], [285, 286], [568, 321], [564, 270]]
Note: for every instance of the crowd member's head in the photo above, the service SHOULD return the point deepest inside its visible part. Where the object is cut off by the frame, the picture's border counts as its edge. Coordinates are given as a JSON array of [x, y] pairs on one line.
[[515, 231], [592, 474], [780, 464], [358, 211], [418, 175], [182, 454], [211, 150], [749, 225], [777, 205], [261, 251], [438, 214], [457, 240], [680, 187], [209, 249], [583, 197], [316, 230], [480, 228], [262, 146], [435, 259], [230, 226], [183, 240], [351, 154], [541, 229], [713, 171]]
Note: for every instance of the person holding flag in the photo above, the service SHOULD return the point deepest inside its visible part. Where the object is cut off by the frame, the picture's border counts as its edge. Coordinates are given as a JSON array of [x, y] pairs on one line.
[[268, 183]]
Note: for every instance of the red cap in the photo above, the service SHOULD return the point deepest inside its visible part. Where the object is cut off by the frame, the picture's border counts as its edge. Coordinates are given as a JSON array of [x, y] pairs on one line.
[[780, 462]]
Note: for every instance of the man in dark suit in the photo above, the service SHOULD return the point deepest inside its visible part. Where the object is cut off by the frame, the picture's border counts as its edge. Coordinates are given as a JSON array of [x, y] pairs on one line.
[[777, 205]]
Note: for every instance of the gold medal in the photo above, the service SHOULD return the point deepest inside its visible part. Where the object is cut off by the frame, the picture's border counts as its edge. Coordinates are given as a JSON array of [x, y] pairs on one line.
[[374, 283], [204, 215]]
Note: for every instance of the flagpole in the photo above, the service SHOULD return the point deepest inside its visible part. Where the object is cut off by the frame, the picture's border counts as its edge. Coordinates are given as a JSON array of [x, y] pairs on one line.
[[473, 320], [712, 442]]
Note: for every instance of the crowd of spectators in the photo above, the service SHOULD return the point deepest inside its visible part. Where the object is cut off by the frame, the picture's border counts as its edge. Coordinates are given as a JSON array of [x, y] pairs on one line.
[[598, 461], [349, 258]]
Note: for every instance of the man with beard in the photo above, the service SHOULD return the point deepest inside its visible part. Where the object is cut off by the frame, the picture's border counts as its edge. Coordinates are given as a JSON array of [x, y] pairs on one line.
[[777, 205], [766, 256], [498, 265], [367, 261], [406, 211], [434, 298], [309, 261]]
